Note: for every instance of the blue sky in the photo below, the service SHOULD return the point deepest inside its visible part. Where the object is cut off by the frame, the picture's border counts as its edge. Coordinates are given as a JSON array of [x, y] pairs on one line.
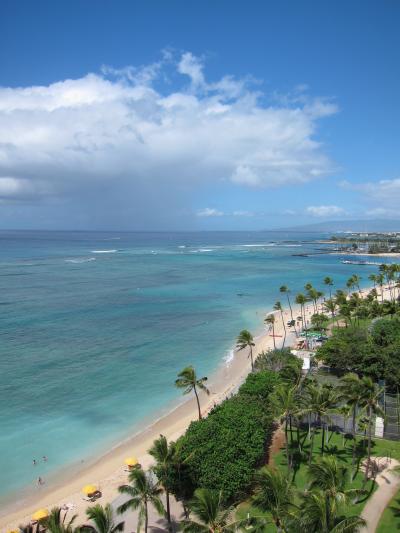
[[198, 115]]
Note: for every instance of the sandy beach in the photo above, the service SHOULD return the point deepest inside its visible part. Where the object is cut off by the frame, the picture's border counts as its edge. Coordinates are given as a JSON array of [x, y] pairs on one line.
[[109, 471]]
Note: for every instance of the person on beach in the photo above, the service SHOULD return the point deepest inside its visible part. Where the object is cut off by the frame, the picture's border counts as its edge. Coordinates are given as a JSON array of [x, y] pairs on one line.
[[40, 481]]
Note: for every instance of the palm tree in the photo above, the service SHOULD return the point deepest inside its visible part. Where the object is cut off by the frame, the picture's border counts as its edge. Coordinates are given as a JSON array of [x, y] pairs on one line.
[[278, 307], [330, 306], [55, 523], [284, 290], [103, 520], [274, 494], [345, 312], [380, 280], [345, 411], [302, 300], [340, 297], [371, 394], [188, 381], [352, 392], [329, 282], [319, 514], [142, 491], [356, 280], [270, 319], [331, 477], [164, 454], [386, 272], [245, 340], [314, 296], [350, 283], [285, 404], [318, 400], [211, 514], [372, 277]]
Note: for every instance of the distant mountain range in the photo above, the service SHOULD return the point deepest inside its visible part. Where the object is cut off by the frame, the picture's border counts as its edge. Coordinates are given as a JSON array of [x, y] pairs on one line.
[[350, 225]]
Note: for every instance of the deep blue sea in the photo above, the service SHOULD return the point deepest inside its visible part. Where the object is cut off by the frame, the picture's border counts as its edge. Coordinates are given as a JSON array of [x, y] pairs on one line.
[[95, 326]]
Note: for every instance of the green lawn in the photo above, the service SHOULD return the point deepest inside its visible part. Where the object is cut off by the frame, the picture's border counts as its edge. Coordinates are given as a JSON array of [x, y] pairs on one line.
[[344, 455], [390, 520]]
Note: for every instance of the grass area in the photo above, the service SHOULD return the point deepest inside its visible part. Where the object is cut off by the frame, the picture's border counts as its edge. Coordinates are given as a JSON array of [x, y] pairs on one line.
[[342, 450], [342, 453], [390, 520]]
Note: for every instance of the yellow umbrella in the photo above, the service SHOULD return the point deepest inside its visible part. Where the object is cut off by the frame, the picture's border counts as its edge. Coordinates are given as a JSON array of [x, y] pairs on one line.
[[14, 531], [40, 514], [89, 489], [131, 461]]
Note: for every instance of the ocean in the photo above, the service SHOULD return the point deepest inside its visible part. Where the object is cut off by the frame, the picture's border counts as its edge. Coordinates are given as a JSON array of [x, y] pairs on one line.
[[95, 326]]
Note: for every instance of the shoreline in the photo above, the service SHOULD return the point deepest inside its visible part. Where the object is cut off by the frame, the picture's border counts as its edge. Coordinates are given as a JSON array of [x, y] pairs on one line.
[[365, 254], [108, 471]]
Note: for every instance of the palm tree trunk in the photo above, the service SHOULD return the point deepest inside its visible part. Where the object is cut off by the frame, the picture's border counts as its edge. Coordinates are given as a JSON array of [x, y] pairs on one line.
[[284, 329], [273, 334], [168, 509], [146, 517], [198, 402], [311, 446], [344, 430], [298, 434], [291, 314], [353, 460], [323, 438], [369, 443], [305, 323], [251, 358], [287, 444]]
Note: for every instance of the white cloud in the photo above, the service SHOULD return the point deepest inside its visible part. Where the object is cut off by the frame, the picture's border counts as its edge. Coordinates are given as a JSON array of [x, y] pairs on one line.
[[242, 214], [383, 212], [209, 212], [118, 135], [383, 196], [192, 67], [387, 191], [324, 210]]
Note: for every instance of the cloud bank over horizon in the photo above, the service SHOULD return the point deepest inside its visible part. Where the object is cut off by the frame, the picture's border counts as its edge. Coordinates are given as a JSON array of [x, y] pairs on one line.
[[124, 137]]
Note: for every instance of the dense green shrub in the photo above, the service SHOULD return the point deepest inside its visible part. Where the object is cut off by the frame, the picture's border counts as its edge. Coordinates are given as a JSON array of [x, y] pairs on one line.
[[274, 360], [260, 385], [346, 349], [223, 450], [374, 353], [385, 331]]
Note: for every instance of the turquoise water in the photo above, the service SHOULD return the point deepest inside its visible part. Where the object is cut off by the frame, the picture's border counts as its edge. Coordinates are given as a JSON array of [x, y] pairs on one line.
[[95, 326]]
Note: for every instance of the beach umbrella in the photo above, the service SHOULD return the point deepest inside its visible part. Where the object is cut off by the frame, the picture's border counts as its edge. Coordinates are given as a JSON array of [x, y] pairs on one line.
[[89, 489], [131, 461], [40, 514], [14, 531]]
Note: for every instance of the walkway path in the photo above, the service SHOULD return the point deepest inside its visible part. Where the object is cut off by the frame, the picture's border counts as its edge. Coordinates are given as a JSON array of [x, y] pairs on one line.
[[389, 483]]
